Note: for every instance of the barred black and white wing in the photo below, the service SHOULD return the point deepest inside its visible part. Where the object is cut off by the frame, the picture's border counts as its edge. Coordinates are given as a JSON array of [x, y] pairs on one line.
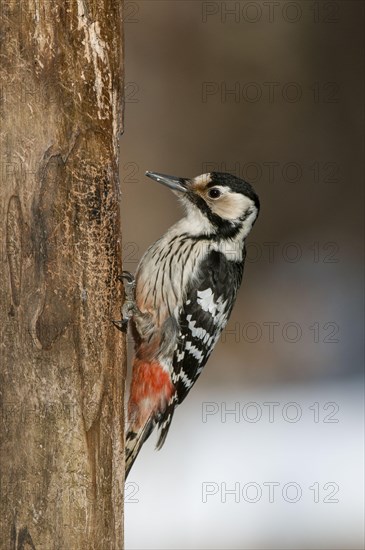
[[209, 301]]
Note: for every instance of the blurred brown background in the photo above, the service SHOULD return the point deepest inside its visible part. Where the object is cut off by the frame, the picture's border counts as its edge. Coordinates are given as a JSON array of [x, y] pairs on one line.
[[273, 92]]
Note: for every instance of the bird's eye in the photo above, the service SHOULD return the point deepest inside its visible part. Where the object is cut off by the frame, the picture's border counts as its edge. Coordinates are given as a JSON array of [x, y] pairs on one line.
[[214, 193]]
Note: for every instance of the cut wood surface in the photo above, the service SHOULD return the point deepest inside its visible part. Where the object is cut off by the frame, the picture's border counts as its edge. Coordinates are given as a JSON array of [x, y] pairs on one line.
[[62, 360]]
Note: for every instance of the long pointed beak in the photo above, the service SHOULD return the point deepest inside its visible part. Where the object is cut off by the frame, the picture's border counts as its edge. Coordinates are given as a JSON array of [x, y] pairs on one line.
[[174, 183]]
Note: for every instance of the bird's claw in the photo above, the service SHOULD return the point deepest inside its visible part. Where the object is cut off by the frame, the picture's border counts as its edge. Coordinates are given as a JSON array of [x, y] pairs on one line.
[[121, 325], [129, 306], [129, 285], [127, 275]]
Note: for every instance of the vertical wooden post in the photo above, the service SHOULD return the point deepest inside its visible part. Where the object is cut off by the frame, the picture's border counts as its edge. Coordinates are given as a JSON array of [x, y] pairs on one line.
[[62, 360]]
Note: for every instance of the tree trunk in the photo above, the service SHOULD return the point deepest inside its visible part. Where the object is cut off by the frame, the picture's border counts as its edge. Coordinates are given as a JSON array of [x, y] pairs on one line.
[[61, 372]]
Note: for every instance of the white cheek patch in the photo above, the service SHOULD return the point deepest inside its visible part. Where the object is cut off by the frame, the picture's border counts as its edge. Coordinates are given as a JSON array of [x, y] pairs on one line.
[[231, 206], [195, 222]]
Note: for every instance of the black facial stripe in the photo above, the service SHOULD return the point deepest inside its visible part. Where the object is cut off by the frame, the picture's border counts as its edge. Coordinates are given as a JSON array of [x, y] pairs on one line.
[[226, 228]]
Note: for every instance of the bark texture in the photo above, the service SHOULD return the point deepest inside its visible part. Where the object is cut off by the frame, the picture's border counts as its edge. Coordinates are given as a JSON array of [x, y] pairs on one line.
[[61, 371]]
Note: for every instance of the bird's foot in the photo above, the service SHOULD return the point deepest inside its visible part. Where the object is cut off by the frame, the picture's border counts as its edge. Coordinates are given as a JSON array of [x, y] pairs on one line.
[[129, 307]]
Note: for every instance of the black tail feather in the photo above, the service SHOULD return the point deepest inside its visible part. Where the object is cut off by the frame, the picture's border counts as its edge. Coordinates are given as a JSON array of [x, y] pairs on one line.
[[134, 442], [165, 421]]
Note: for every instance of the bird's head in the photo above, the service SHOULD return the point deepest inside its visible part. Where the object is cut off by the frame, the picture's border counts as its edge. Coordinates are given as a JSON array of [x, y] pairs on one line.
[[216, 202]]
